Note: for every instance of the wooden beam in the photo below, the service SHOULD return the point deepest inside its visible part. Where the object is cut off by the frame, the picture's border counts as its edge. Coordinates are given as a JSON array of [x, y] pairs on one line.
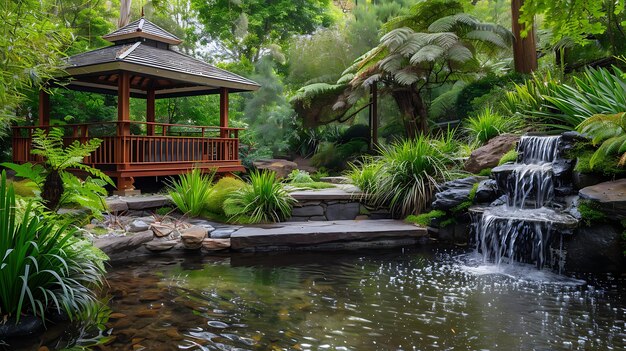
[[150, 110], [124, 184], [223, 111], [44, 108]]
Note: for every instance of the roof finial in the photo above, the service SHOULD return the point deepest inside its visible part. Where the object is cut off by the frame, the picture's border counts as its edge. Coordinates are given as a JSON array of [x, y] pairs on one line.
[[142, 11]]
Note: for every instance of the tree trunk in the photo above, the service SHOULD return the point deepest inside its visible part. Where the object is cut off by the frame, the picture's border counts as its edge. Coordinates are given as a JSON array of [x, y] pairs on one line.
[[413, 111], [52, 190], [124, 13], [524, 49]]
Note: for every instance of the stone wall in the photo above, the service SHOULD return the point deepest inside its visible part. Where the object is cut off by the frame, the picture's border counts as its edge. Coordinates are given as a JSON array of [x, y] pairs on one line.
[[326, 210]]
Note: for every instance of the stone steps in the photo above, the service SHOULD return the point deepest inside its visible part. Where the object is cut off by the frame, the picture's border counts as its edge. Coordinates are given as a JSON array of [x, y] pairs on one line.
[[327, 235]]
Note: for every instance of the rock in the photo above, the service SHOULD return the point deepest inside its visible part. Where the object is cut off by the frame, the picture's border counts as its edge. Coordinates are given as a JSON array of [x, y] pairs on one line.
[[117, 315], [454, 192], [583, 180], [116, 205], [28, 326], [487, 191], [282, 168], [221, 233], [488, 156], [562, 167], [145, 202], [499, 201], [595, 249], [573, 136], [116, 245], [342, 211], [161, 230], [215, 244], [192, 237], [158, 245], [610, 197], [137, 226], [307, 211]]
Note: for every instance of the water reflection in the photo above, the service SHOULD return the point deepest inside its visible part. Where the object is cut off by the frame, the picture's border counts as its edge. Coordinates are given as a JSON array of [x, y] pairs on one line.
[[392, 300]]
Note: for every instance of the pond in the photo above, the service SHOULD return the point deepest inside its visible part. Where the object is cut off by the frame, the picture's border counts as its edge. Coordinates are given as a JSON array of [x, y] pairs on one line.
[[401, 299]]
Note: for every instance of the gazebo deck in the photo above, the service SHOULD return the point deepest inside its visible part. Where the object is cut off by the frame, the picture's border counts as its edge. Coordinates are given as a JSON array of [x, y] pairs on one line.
[[157, 149]]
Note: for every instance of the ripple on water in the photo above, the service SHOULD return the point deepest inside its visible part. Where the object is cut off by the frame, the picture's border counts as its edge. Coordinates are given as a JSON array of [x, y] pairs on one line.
[[357, 301]]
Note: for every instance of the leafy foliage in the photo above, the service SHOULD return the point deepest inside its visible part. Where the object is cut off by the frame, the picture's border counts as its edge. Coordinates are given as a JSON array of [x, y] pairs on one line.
[[564, 106], [405, 175], [488, 124], [299, 176], [610, 132], [43, 267], [191, 191], [264, 200]]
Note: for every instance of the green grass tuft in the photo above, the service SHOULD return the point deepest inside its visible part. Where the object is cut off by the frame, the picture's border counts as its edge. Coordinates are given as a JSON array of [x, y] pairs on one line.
[[425, 219], [510, 156]]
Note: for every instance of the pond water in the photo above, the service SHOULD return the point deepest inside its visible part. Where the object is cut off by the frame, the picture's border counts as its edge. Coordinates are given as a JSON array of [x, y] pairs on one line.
[[399, 299]]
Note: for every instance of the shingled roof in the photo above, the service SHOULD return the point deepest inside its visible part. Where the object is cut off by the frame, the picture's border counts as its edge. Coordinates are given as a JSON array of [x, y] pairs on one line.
[[142, 28], [144, 49]]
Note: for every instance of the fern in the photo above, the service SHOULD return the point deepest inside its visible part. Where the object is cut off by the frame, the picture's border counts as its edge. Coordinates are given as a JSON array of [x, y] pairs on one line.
[[610, 132]]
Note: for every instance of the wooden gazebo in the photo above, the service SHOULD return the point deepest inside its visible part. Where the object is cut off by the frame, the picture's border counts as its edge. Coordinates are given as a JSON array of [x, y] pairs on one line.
[[142, 64]]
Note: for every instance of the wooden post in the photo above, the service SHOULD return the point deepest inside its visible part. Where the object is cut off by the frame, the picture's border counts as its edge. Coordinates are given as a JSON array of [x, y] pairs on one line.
[[223, 112], [124, 183], [374, 117], [150, 111], [44, 108], [524, 49]]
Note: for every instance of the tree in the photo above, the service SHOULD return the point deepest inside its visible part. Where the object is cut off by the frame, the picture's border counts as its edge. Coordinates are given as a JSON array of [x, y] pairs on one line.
[[435, 43], [249, 29], [31, 47], [524, 47]]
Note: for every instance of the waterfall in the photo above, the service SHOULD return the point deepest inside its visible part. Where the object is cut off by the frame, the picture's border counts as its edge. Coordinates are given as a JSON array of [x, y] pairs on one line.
[[523, 229]]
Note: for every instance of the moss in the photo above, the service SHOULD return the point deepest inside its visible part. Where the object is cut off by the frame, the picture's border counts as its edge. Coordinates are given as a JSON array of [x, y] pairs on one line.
[[605, 165], [463, 206], [485, 172], [221, 190], [163, 211], [312, 185], [590, 212], [425, 219], [510, 156], [448, 222]]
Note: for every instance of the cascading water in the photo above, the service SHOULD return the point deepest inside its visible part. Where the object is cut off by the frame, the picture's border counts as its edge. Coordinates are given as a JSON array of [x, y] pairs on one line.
[[523, 228]]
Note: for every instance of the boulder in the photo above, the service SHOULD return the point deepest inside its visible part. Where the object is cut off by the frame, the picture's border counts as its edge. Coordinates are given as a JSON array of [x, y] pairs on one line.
[[595, 249], [454, 192], [215, 244], [488, 156], [116, 245], [222, 233], [281, 167], [609, 196], [487, 191], [161, 230], [192, 237]]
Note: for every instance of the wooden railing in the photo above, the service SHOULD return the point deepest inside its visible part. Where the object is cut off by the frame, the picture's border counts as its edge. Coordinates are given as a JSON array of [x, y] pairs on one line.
[[147, 143]]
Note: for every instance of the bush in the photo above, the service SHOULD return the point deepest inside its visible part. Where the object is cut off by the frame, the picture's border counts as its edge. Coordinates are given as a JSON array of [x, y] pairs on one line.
[[299, 176], [42, 266], [221, 191], [264, 200], [355, 132], [404, 177], [479, 89], [486, 125], [425, 219], [191, 192]]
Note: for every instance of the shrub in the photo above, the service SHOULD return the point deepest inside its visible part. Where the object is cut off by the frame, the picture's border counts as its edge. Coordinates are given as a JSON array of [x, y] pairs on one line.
[[366, 174], [299, 176], [263, 200], [221, 191], [425, 219], [479, 89], [510, 156], [486, 125], [42, 266], [191, 191], [411, 171]]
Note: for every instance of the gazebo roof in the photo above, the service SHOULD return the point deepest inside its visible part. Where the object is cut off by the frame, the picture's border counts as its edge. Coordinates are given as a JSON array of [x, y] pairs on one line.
[[144, 49]]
